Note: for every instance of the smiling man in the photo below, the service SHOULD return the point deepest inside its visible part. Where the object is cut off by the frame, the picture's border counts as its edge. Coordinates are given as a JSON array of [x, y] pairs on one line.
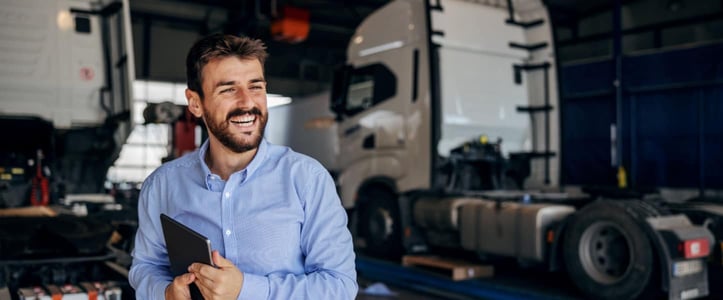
[[273, 216]]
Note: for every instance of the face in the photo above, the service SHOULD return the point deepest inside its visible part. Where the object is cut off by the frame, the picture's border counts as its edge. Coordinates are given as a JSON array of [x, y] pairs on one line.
[[234, 103]]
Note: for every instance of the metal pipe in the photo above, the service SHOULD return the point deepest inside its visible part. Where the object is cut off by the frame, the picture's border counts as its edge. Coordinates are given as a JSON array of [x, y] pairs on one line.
[[618, 84], [633, 141], [646, 89], [511, 10], [701, 144], [547, 127]]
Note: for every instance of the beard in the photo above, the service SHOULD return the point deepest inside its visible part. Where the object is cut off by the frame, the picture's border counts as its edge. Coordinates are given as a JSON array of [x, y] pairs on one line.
[[221, 130]]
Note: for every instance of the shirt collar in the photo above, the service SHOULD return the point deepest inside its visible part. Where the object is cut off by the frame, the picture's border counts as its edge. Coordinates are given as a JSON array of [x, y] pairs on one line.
[[258, 159], [255, 163]]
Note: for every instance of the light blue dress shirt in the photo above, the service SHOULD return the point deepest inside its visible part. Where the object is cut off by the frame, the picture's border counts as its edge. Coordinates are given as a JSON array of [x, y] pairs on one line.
[[279, 220]]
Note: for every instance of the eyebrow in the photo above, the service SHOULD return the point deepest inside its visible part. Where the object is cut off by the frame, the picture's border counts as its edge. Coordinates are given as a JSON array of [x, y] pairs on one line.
[[255, 80], [233, 82], [223, 83]]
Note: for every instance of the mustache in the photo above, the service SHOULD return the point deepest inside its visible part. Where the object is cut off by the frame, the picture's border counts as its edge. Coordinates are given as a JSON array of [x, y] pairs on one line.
[[241, 112]]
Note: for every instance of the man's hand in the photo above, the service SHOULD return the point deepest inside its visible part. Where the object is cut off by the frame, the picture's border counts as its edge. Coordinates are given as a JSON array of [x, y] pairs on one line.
[[223, 282], [178, 289]]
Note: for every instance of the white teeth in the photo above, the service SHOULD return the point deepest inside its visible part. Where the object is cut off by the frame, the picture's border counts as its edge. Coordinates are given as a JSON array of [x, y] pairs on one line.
[[243, 119]]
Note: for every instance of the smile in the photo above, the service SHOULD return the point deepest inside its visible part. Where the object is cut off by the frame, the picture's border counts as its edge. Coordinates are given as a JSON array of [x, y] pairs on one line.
[[244, 120]]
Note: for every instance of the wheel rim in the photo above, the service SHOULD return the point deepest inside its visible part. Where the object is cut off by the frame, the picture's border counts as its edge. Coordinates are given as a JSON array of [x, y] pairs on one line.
[[606, 252], [380, 225]]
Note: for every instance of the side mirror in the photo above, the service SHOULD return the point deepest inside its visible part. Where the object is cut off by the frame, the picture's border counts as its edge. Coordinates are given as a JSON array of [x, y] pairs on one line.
[[339, 90]]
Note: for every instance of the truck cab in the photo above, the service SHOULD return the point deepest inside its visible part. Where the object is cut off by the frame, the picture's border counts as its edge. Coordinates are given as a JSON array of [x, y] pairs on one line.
[[421, 80]]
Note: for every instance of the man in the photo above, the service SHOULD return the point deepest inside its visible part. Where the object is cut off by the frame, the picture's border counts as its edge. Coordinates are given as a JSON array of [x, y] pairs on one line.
[[272, 215]]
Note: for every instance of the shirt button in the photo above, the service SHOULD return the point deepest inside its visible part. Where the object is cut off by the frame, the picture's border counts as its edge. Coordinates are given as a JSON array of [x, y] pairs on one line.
[[228, 232], [228, 194]]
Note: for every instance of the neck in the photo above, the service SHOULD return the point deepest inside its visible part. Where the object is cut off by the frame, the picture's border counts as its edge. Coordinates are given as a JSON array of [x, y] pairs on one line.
[[224, 162]]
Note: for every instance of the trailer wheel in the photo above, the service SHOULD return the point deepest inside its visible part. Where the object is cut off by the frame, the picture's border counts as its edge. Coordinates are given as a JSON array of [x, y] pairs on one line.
[[607, 255], [379, 223]]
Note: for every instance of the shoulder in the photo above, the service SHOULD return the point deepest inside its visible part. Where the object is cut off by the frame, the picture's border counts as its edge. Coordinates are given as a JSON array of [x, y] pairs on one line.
[[287, 157], [175, 168]]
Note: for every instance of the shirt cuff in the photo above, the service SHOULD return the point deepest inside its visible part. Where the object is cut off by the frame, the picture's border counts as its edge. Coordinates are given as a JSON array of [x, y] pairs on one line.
[[160, 290], [254, 287]]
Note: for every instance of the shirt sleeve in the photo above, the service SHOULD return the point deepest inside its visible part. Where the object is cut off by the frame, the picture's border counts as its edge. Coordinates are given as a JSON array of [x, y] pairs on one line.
[[330, 271], [149, 274]]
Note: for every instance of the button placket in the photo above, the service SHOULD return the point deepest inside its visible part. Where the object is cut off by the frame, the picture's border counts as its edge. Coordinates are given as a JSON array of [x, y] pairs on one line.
[[226, 222]]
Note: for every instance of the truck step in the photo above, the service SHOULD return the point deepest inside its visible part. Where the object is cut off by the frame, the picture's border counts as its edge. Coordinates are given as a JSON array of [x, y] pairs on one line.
[[531, 47], [534, 109], [536, 154], [525, 25], [532, 67], [456, 269]]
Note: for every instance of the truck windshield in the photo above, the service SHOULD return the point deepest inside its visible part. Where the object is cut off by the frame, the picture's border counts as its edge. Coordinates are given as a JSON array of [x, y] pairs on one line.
[[361, 92], [362, 88]]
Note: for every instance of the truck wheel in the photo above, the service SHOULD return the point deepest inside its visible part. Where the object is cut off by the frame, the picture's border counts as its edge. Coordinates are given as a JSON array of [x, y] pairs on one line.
[[379, 223], [607, 255]]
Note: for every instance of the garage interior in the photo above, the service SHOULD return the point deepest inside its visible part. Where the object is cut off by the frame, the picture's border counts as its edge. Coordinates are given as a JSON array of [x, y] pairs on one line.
[[589, 126]]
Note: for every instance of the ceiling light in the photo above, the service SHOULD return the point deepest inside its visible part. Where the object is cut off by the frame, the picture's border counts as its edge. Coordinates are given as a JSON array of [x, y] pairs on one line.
[[273, 100]]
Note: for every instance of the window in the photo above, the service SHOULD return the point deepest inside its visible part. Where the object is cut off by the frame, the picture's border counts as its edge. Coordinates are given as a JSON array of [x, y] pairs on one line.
[[148, 144], [365, 87]]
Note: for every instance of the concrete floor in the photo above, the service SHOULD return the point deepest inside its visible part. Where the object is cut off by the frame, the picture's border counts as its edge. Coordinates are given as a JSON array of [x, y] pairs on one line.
[[507, 282], [400, 293]]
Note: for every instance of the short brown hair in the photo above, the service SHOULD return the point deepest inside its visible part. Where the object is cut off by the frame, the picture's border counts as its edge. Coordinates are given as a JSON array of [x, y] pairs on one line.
[[216, 46]]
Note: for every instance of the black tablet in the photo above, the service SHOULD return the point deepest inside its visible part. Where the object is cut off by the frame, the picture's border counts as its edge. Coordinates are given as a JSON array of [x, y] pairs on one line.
[[185, 246]]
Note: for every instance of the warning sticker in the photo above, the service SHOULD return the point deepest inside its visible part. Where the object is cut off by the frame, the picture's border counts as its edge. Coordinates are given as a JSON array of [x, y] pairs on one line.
[[86, 74]]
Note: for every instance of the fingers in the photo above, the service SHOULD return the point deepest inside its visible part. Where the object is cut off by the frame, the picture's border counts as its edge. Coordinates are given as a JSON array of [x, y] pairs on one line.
[[207, 272], [205, 288], [178, 289], [224, 281], [220, 261], [184, 279], [205, 283], [203, 271]]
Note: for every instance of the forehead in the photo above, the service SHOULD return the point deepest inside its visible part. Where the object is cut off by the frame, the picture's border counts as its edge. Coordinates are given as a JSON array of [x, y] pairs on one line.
[[231, 68]]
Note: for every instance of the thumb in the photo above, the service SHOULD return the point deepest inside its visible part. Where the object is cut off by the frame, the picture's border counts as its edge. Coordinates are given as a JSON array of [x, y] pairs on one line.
[[220, 261], [185, 279]]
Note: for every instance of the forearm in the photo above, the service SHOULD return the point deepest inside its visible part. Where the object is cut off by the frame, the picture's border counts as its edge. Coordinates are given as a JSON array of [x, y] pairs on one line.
[[148, 281]]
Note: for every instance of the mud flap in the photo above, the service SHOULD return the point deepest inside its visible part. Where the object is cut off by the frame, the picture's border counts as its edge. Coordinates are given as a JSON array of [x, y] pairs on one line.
[[682, 278]]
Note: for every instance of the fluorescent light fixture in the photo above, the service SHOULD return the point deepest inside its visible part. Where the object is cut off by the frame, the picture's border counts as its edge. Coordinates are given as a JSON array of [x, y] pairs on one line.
[[381, 48], [273, 100], [65, 20]]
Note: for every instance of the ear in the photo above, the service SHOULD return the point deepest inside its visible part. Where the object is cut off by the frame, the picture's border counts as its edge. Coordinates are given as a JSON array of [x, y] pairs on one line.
[[194, 103]]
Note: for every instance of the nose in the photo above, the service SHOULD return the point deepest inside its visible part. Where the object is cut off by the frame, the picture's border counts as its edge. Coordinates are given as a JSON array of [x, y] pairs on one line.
[[246, 98], [243, 95]]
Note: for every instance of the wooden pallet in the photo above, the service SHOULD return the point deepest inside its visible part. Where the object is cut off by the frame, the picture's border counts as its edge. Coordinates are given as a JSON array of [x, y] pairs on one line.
[[458, 270]]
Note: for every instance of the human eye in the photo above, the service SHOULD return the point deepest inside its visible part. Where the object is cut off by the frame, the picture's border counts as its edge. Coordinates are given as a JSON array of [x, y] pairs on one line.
[[226, 90]]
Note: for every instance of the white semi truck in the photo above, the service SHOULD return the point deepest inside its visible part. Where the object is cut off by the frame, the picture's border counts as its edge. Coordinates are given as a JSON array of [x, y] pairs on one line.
[[66, 71], [423, 81], [65, 90]]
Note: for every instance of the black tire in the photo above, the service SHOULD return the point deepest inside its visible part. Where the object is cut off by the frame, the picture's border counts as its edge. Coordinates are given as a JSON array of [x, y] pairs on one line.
[[379, 223], [608, 255]]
